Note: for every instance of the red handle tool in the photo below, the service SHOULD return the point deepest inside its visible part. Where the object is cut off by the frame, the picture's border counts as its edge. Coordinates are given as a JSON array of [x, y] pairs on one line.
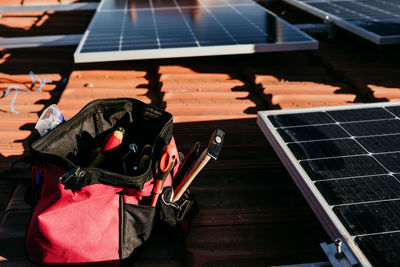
[[167, 163]]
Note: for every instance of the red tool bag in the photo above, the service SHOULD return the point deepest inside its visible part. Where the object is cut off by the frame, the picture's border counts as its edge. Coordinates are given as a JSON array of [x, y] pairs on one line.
[[83, 214]]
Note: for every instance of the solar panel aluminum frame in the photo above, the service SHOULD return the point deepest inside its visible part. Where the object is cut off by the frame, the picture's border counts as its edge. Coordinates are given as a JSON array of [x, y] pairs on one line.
[[82, 41], [328, 17], [317, 202], [191, 51], [188, 52]]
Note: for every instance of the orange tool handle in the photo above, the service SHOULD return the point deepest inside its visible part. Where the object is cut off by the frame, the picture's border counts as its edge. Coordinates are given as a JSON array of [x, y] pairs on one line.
[[167, 163]]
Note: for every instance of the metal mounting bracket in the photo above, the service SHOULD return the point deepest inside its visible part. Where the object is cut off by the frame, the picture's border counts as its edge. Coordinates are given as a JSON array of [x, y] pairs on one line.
[[339, 254], [316, 28]]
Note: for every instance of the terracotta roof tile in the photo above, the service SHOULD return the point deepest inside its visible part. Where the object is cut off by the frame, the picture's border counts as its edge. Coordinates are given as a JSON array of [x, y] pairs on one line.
[[195, 92], [47, 63], [371, 71], [102, 81], [301, 82], [289, 87], [306, 100]]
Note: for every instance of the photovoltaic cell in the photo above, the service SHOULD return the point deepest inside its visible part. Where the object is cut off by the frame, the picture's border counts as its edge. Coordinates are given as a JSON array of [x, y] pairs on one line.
[[351, 157], [340, 167], [391, 161], [369, 128], [381, 248], [138, 29], [375, 20], [328, 148], [361, 189], [288, 120], [370, 218], [315, 132], [360, 115], [394, 110], [380, 144]]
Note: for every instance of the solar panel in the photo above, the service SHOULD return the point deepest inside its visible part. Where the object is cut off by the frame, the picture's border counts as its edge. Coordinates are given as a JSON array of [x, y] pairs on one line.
[[346, 162], [375, 20], [143, 29]]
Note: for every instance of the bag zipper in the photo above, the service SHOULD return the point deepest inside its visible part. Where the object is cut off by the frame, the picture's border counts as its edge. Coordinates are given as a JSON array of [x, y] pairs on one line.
[[76, 172]]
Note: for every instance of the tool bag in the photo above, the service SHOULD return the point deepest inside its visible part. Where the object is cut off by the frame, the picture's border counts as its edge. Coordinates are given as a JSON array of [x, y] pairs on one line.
[[86, 215]]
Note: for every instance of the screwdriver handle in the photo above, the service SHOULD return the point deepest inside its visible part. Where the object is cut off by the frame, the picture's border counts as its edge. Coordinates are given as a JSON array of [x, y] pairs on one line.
[[158, 188], [167, 163]]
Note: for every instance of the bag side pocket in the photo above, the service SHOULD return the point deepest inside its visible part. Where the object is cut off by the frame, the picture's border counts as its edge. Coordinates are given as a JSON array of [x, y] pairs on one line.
[[136, 224]]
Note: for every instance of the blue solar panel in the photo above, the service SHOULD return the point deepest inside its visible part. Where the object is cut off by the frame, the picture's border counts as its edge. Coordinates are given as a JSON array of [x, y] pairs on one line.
[[375, 20], [123, 30], [346, 162]]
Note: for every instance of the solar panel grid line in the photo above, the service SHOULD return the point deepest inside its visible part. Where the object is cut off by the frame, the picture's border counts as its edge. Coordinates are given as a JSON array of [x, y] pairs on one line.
[[378, 233], [356, 14], [360, 137], [397, 176], [368, 202], [218, 22], [337, 123], [376, 13], [101, 36], [246, 18], [335, 157], [379, 9], [351, 155], [362, 10], [154, 23], [100, 6], [338, 12], [187, 23], [388, 3], [384, 153], [123, 26], [344, 138], [356, 177], [370, 154], [393, 114]]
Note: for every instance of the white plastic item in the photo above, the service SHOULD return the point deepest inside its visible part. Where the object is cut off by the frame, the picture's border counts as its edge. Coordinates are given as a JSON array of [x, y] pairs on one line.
[[50, 118]]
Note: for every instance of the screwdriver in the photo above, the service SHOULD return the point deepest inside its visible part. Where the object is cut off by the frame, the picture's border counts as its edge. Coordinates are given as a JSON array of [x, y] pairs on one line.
[[112, 141], [133, 149]]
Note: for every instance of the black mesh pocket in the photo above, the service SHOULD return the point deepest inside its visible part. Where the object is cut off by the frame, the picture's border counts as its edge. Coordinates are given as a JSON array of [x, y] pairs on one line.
[[136, 224]]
